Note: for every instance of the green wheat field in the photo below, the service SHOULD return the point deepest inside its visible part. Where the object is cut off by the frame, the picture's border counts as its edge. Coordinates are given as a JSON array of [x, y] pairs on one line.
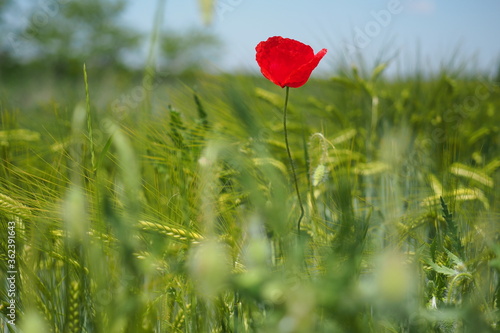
[[146, 202], [184, 219]]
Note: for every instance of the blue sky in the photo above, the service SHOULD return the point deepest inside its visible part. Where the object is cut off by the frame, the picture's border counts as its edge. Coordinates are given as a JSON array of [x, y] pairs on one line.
[[434, 30]]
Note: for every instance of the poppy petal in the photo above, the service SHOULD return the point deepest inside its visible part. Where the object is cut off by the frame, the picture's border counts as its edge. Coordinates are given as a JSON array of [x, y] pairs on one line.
[[300, 76]]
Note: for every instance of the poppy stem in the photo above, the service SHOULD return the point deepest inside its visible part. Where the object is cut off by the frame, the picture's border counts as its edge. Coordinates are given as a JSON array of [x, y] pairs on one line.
[[291, 160]]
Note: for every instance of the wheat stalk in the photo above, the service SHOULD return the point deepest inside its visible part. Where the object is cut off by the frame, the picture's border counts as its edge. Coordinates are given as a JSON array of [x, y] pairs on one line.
[[176, 233], [74, 308], [10, 206]]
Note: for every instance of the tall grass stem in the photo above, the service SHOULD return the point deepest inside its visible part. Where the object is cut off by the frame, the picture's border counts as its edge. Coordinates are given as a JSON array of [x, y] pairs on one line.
[[287, 89], [89, 121]]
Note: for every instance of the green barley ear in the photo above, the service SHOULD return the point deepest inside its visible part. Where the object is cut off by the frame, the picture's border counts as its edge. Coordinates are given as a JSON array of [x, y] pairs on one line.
[[319, 174], [18, 135], [448, 217], [176, 233], [435, 184], [179, 320], [202, 114], [451, 226], [261, 161], [44, 311], [176, 128], [321, 171], [475, 175], [377, 72], [73, 312], [492, 166], [11, 207], [198, 133], [271, 98], [344, 136]]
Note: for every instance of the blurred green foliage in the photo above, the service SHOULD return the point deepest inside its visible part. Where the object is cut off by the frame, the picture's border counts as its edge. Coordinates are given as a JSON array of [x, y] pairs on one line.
[[161, 200], [187, 224]]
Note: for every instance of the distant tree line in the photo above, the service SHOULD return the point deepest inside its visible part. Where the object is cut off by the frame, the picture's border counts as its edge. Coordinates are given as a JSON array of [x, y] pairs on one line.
[[60, 35]]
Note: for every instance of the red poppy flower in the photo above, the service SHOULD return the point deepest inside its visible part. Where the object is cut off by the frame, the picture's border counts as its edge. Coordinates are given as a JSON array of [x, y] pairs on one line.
[[287, 62]]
